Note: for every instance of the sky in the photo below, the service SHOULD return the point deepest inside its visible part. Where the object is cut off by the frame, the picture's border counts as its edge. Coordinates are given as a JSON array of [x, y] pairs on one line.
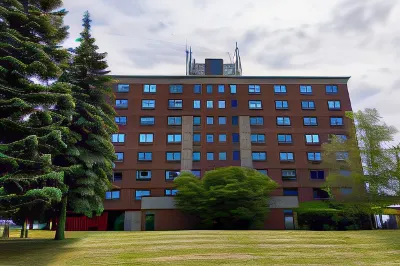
[[357, 38]]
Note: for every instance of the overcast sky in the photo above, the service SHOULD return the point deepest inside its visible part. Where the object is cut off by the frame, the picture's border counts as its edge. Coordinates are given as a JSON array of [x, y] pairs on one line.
[[357, 38]]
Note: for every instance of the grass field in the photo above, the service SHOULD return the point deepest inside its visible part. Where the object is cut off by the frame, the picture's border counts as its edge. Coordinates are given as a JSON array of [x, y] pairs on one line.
[[204, 248]]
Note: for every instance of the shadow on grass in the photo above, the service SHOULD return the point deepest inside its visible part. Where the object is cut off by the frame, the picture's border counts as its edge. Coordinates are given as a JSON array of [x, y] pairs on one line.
[[33, 251]]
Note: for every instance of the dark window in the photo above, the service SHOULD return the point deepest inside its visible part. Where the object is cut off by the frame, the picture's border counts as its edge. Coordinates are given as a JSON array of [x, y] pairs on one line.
[[148, 104], [308, 105], [210, 120], [173, 156], [235, 137], [141, 193], [196, 137], [117, 176], [197, 89], [320, 194], [196, 156], [289, 174], [305, 89], [310, 121], [290, 192], [115, 194], [196, 120], [147, 120], [171, 192], [210, 156], [317, 174], [331, 89], [256, 120], [120, 120], [175, 88], [334, 105], [336, 121], [175, 104], [235, 120], [121, 103], [234, 103], [283, 121], [123, 87], [284, 138], [171, 174], [221, 88], [259, 156], [210, 138], [120, 156], [196, 173], [286, 156], [314, 156], [257, 138], [209, 88], [281, 105], [236, 155], [145, 156], [143, 175], [280, 89], [174, 120]]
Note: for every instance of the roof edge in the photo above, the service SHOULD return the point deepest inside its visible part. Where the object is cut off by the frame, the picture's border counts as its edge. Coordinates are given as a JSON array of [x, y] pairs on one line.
[[233, 77]]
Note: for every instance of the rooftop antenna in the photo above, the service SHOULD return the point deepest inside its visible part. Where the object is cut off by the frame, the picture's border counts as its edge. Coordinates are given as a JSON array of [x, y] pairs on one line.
[[187, 55]]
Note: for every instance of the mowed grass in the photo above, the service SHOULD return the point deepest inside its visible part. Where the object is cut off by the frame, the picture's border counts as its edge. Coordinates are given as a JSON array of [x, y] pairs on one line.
[[204, 248]]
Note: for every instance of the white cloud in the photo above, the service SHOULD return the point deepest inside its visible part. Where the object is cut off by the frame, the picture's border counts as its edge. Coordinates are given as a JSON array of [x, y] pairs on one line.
[[276, 37]]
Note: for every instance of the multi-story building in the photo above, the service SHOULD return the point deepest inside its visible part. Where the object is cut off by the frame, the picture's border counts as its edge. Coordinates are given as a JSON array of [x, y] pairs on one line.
[[170, 124]]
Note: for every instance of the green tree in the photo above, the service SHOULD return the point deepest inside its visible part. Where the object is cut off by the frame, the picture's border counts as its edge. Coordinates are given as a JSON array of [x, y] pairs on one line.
[[226, 198], [91, 158], [33, 117]]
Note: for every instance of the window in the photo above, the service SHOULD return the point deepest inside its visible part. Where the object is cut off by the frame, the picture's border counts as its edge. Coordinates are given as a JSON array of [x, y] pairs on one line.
[[342, 155], [314, 156], [308, 105], [170, 192], [317, 174], [173, 156], [196, 156], [145, 156], [174, 138], [286, 156], [171, 175], [310, 121], [320, 194], [289, 175], [146, 138], [210, 120], [331, 89], [120, 120], [281, 105], [222, 137], [175, 88], [263, 171], [234, 103], [221, 88], [336, 121], [147, 120], [210, 138], [117, 176], [236, 155], [196, 104], [235, 120], [149, 88], [221, 104], [121, 103], [283, 121], [197, 89], [196, 137], [120, 156], [254, 89], [209, 88], [143, 175], [118, 138], [148, 104], [284, 138], [253, 105], [222, 120], [259, 156], [115, 194], [210, 156], [341, 138], [280, 89], [305, 89], [123, 88], [290, 192], [344, 172], [141, 193], [233, 88], [256, 120], [235, 137], [175, 104], [312, 138], [334, 105], [222, 156], [210, 104], [196, 173], [174, 120], [257, 138], [196, 120], [346, 190]]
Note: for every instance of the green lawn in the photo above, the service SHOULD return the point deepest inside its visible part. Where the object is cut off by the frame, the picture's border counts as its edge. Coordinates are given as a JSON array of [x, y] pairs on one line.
[[204, 248]]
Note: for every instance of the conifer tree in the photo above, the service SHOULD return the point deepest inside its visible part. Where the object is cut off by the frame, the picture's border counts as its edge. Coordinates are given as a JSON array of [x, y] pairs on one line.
[[33, 117], [93, 121]]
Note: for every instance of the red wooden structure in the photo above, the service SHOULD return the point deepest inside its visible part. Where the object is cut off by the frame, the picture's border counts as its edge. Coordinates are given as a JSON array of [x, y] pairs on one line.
[[83, 223]]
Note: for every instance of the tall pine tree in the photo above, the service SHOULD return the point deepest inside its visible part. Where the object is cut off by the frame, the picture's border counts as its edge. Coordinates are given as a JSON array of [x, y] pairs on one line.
[[93, 121], [33, 117]]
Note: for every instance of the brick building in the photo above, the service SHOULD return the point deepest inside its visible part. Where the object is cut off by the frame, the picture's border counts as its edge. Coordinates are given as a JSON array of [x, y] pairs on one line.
[[170, 124]]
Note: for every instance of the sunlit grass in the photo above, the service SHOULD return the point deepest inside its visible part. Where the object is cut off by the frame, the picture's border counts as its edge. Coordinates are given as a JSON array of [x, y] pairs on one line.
[[204, 248]]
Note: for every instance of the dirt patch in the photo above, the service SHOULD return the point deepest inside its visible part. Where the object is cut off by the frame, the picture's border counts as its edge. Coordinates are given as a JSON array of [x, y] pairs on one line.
[[223, 256]]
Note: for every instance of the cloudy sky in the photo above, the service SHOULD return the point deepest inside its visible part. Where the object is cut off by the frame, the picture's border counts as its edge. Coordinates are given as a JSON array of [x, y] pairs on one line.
[[357, 38]]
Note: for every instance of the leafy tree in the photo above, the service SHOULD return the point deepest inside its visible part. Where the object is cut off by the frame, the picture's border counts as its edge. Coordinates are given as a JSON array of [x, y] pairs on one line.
[[226, 198], [33, 116], [91, 157]]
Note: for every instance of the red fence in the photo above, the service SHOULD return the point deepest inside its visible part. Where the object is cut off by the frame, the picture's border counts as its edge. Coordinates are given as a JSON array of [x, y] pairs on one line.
[[83, 223]]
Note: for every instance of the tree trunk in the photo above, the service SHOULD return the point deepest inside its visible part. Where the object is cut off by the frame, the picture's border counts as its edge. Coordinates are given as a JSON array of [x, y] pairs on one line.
[[61, 220], [381, 220], [6, 232], [371, 222], [23, 229]]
